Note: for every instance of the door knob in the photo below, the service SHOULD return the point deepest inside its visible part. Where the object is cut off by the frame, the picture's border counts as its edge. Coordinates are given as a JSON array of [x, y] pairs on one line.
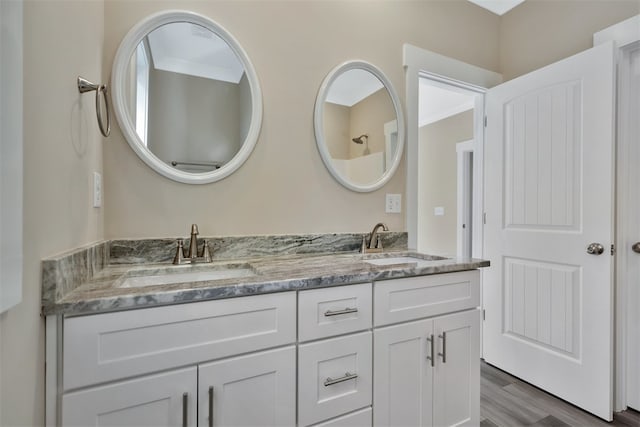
[[595, 249], [636, 247]]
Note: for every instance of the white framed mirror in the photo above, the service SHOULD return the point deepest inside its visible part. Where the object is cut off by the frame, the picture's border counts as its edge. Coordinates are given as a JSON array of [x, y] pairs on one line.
[[359, 126], [186, 97]]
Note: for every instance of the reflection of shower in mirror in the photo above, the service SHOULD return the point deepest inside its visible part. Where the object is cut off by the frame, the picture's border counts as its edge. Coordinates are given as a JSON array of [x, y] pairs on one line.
[[363, 139]]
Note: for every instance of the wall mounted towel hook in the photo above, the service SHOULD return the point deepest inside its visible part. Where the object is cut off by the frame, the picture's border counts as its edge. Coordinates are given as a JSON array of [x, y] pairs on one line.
[[85, 85]]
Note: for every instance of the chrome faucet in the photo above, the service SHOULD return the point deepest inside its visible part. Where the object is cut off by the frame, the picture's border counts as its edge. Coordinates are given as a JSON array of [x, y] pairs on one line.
[[192, 256], [374, 239]]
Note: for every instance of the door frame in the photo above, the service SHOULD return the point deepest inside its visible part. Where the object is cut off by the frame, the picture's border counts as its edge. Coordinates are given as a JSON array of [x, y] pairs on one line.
[[422, 63], [623, 34], [464, 154]]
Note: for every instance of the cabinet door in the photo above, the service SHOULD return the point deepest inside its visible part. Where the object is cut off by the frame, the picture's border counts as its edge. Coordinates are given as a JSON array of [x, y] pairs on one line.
[[258, 389], [456, 387], [153, 400], [403, 376]]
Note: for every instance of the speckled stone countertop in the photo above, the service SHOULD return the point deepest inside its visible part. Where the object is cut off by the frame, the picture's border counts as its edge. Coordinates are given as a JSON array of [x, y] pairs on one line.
[[102, 286]]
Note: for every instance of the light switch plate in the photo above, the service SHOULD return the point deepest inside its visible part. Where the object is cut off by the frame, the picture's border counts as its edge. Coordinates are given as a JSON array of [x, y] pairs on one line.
[[393, 203], [97, 190]]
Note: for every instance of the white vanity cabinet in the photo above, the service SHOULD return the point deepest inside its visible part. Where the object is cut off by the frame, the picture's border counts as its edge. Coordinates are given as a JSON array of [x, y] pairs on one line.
[[389, 353], [427, 372], [151, 366]]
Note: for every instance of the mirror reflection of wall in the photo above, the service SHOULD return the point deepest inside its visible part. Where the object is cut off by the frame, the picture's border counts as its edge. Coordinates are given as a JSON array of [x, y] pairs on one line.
[[189, 97], [357, 108]]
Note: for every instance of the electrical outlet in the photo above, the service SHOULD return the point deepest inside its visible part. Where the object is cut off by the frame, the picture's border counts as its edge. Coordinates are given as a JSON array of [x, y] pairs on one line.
[[97, 190], [393, 203], [438, 211]]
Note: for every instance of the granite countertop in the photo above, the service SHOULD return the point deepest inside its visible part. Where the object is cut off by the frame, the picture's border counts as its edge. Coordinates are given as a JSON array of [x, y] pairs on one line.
[[106, 290]]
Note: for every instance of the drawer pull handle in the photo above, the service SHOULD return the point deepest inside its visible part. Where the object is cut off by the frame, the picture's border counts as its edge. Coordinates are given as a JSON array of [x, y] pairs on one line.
[[339, 312], [444, 347], [211, 406], [347, 376], [185, 399], [431, 345]]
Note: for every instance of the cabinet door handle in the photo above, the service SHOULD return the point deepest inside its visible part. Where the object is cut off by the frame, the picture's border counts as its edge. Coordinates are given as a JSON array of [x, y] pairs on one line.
[[444, 347], [211, 406], [339, 312], [347, 376], [431, 346], [185, 401]]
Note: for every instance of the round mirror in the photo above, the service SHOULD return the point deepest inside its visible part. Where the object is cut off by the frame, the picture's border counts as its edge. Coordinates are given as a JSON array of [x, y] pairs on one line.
[[359, 126], [186, 97]]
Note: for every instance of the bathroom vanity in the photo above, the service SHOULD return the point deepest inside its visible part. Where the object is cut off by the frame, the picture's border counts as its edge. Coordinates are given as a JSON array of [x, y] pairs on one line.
[[341, 339]]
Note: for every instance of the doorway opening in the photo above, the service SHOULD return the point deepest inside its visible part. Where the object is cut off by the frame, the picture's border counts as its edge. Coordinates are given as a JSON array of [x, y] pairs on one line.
[[447, 137]]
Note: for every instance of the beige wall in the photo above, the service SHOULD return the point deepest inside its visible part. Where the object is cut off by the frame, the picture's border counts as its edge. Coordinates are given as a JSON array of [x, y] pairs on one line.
[[185, 125], [62, 148], [369, 116], [438, 166], [540, 32], [284, 186], [337, 119]]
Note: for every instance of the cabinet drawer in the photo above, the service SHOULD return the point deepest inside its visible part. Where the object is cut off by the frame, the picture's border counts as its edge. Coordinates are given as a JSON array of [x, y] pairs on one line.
[[360, 418], [334, 311], [334, 377], [105, 347], [399, 300]]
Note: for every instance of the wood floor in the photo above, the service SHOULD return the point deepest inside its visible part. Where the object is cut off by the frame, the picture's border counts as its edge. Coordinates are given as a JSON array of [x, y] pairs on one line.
[[509, 402]]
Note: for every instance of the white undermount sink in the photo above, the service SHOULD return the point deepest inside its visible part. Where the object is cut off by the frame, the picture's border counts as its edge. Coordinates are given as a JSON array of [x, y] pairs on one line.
[[201, 275], [401, 260]]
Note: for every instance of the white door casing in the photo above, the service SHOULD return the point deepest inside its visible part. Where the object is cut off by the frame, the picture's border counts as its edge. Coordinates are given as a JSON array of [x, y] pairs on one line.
[[629, 212], [419, 63], [626, 35], [548, 195], [464, 152]]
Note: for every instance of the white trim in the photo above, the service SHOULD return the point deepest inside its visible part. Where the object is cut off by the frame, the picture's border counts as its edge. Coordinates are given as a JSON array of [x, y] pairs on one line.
[[462, 150], [119, 95], [420, 62], [623, 34], [53, 389], [11, 137], [318, 125], [390, 128], [627, 211]]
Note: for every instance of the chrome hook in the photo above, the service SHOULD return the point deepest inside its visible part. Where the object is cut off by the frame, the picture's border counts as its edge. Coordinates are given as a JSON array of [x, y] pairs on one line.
[[85, 85]]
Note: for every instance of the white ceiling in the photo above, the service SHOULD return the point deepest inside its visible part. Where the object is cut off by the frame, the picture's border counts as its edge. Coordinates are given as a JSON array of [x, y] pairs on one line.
[[352, 87], [437, 104], [499, 7], [187, 48]]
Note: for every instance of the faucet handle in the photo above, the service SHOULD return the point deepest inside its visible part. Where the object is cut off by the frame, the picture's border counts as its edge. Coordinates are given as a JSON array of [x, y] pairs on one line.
[[179, 257], [206, 253]]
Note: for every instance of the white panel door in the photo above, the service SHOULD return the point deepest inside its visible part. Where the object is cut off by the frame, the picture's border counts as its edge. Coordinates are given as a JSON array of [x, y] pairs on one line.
[[258, 389], [548, 195], [165, 399]]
